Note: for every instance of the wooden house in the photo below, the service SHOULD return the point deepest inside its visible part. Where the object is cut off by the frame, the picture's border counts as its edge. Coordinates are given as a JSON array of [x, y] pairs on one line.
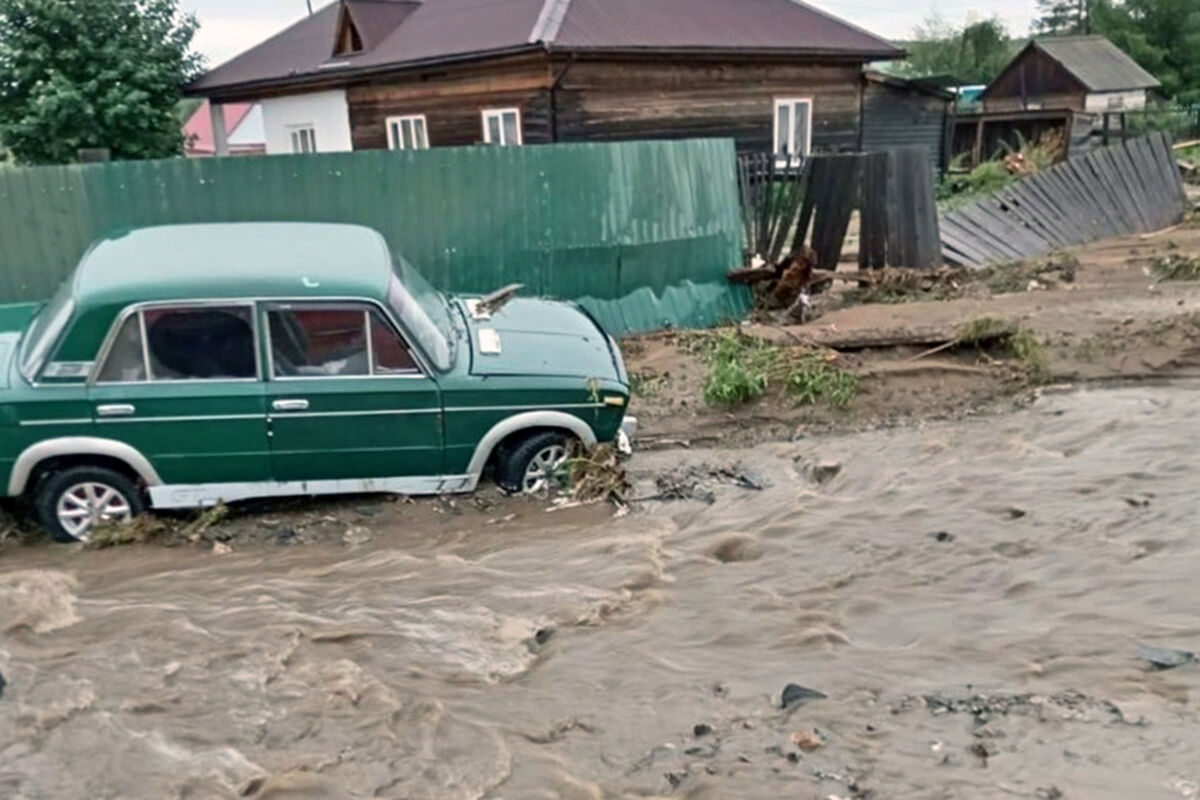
[[776, 75]]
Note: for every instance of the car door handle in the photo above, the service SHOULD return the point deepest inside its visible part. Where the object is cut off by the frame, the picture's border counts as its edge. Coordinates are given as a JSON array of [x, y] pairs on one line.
[[290, 405], [116, 410]]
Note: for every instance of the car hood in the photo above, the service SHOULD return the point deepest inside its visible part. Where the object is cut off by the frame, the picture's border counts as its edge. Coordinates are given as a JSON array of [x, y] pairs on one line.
[[539, 337]]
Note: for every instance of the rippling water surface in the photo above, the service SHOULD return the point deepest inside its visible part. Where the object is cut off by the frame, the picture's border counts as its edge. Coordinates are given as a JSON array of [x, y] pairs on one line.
[[970, 597]]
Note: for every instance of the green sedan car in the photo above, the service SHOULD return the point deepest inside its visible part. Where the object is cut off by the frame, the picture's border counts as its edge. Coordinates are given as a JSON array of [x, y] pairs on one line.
[[188, 365]]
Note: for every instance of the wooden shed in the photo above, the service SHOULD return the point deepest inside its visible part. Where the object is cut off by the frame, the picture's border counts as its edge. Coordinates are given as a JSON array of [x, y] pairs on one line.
[[906, 113]]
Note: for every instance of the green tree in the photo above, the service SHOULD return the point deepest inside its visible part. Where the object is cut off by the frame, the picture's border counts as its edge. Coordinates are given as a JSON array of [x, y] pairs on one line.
[[1161, 35], [1064, 17], [100, 73], [974, 54]]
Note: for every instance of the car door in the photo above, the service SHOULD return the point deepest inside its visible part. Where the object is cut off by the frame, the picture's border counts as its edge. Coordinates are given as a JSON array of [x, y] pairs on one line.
[[181, 383], [347, 399]]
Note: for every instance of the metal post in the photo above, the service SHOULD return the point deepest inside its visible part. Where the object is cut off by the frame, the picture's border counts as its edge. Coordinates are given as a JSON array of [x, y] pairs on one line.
[[216, 113]]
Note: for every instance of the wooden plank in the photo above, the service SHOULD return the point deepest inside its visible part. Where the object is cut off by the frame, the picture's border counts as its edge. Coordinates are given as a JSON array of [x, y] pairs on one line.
[[1096, 221], [872, 247], [967, 238], [1107, 158], [1105, 194], [1034, 192], [834, 207], [1014, 231], [1029, 217], [1128, 167], [1151, 181], [971, 218], [962, 248]]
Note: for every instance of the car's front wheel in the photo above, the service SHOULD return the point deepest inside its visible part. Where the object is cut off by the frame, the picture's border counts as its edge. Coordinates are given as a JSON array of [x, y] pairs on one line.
[[70, 504], [536, 464]]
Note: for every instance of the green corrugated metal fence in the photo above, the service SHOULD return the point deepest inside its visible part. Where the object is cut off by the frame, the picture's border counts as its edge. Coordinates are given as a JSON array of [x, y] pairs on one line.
[[642, 233]]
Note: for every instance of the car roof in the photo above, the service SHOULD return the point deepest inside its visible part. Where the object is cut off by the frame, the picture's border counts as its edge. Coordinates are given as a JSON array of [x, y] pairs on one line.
[[239, 260]]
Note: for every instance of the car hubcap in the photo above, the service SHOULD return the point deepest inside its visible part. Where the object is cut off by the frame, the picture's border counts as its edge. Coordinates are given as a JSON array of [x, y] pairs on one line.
[[546, 469], [84, 505]]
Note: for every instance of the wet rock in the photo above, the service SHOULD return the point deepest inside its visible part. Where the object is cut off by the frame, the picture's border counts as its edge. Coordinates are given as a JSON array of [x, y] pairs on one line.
[[3, 683], [1016, 513], [285, 536], [943, 536], [1164, 657], [1137, 502], [826, 471], [701, 729], [356, 535], [1049, 793], [221, 549], [795, 695]]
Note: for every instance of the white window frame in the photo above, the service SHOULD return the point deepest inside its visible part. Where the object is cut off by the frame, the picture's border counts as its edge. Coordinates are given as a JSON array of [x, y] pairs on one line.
[[791, 103], [296, 134], [390, 122], [488, 113]]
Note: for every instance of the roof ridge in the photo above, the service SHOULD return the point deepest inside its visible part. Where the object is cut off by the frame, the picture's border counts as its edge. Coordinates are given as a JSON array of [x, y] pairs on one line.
[[549, 20]]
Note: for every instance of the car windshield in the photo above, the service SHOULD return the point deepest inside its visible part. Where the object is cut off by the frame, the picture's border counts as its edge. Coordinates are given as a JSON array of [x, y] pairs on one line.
[[425, 312], [44, 331]]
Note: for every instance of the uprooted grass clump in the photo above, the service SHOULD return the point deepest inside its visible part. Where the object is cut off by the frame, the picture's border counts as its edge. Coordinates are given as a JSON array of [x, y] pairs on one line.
[[894, 286], [598, 475], [147, 527], [1176, 267], [998, 337], [1058, 267], [742, 369]]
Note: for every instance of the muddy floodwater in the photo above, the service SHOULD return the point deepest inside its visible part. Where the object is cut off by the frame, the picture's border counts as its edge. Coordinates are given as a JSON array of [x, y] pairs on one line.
[[969, 598]]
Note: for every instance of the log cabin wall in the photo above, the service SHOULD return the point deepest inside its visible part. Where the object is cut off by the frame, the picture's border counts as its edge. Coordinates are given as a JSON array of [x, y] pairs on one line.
[[615, 99], [612, 99], [452, 99]]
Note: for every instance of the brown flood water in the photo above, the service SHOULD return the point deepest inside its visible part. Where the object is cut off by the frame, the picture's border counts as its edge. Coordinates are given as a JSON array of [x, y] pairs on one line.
[[571, 655]]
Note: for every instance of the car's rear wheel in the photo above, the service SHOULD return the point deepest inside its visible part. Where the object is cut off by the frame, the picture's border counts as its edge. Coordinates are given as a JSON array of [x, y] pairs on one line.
[[536, 464], [70, 504]]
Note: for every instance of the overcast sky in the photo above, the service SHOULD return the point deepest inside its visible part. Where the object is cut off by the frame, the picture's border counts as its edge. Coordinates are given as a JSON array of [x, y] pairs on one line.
[[228, 27]]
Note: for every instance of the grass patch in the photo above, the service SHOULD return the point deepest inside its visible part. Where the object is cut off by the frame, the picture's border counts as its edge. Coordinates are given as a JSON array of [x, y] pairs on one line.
[[743, 369], [998, 337], [1176, 267], [646, 383]]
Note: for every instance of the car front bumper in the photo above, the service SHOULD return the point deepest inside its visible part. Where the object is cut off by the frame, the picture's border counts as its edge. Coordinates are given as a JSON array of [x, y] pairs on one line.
[[626, 434]]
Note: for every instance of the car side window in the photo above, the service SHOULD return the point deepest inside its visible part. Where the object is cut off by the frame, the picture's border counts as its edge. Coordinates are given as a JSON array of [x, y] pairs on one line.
[[183, 343], [315, 341], [392, 356], [126, 362]]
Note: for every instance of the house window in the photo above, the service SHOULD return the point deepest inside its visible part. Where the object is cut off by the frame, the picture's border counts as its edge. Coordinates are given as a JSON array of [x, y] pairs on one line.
[[502, 126], [304, 139], [1116, 102], [793, 126], [407, 133]]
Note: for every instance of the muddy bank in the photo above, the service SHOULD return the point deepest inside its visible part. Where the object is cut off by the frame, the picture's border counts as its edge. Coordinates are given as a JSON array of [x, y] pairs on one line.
[[965, 602], [1109, 317]]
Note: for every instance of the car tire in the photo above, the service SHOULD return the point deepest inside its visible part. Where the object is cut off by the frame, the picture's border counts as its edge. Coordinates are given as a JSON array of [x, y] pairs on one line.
[[85, 494], [530, 466]]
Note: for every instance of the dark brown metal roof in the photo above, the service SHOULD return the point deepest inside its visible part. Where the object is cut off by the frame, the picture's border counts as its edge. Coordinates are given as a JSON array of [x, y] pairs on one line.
[[399, 33], [719, 24]]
